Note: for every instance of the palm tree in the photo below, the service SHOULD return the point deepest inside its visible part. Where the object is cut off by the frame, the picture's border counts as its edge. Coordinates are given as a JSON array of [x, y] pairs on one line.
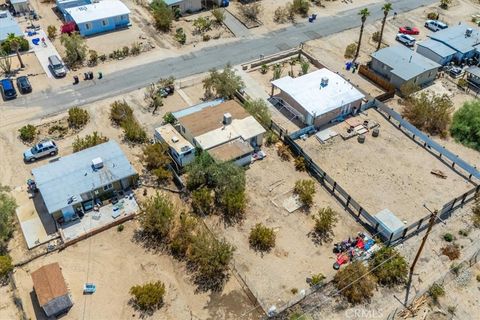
[[364, 13], [14, 42], [387, 7]]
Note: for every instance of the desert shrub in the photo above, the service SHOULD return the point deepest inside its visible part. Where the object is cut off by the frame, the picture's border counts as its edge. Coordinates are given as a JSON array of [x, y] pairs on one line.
[[389, 267], [462, 83], [206, 37], [93, 57], [305, 189], [464, 232], [304, 65], [476, 212], [478, 277], [408, 89], [280, 15], [300, 164], [202, 24], [182, 236], [57, 128], [162, 15], [262, 238], [376, 36], [135, 49], [119, 112], [264, 69], [27, 133], [325, 221], [156, 159], [120, 227], [88, 141], [432, 15], [210, 259], [7, 211], [455, 268], [452, 251], [429, 112], [77, 117], [169, 118], [102, 57], [317, 279], [259, 110], [466, 125], [435, 291], [294, 290], [277, 71], [350, 50], [271, 138], [75, 48], [251, 11], [355, 283], [180, 36], [444, 4], [51, 32], [202, 201], [448, 237], [133, 131], [283, 152], [5, 266], [300, 7], [157, 213], [149, 296], [222, 84], [219, 15]]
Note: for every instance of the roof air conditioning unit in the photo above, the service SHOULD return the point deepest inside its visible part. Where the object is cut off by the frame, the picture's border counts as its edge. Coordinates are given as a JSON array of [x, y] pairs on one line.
[[468, 32], [175, 139], [324, 82], [227, 118], [97, 163]]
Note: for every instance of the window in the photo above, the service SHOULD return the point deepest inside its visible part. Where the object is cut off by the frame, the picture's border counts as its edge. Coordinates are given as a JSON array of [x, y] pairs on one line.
[[107, 187], [88, 26], [104, 23]]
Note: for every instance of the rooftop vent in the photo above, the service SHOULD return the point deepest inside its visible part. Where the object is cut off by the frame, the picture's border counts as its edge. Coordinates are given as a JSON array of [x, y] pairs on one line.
[[185, 148], [227, 118], [468, 32], [324, 82], [97, 163], [175, 139]]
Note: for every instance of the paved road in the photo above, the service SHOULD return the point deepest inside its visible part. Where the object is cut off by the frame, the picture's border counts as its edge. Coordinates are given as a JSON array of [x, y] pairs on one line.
[[54, 101]]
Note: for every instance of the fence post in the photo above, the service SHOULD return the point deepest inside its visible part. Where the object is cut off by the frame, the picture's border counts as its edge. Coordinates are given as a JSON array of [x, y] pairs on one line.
[[420, 223], [453, 203], [404, 233], [359, 212], [348, 201], [463, 198], [376, 227], [334, 186]]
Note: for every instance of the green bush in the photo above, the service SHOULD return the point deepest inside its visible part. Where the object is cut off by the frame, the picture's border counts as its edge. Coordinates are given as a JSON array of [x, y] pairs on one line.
[[350, 50], [259, 110], [119, 112], [169, 118], [436, 291], [448, 237], [9, 48], [432, 15], [5, 266], [300, 164], [120, 227], [90, 140], [202, 201], [7, 212], [305, 189], [317, 279], [325, 221], [466, 125], [156, 158], [133, 131], [219, 15], [355, 282], [271, 138], [162, 15], [262, 238], [180, 36], [148, 297], [77, 117], [389, 267], [156, 218], [28, 133], [301, 7]]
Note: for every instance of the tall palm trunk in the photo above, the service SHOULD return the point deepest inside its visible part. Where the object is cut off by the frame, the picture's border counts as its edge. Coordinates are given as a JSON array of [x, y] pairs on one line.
[[385, 14], [360, 39], [19, 58]]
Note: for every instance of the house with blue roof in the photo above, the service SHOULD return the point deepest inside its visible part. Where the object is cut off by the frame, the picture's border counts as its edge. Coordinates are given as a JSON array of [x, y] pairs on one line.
[[453, 44], [8, 25], [95, 16], [401, 65], [77, 182]]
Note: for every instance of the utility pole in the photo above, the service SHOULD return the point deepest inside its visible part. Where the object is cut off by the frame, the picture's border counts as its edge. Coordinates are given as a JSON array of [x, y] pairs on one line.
[[433, 217]]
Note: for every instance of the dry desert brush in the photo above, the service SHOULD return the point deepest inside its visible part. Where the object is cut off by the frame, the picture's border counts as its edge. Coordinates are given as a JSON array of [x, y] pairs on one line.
[[156, 159], [148, 297], [90, 140], [355, 283], [389, 267], [305, 190], [262, 238], [325, 221]]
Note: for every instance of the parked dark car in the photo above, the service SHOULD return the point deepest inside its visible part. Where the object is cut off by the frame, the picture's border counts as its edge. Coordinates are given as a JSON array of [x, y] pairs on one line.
[[24, 85], [8, 90]]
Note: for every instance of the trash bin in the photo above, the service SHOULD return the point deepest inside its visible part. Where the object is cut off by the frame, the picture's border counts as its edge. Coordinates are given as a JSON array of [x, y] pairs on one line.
[[100, 75], [310, 19], [314, 16], [90, 75], [75, 80], [85, 76]]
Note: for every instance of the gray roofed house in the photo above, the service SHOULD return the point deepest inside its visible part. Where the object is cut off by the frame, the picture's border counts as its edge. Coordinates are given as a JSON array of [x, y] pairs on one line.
[[455, 43], [73, 182], [8, 25], [400, 65]]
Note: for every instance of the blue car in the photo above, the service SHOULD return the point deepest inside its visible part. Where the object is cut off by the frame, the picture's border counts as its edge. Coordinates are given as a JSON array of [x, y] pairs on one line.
[[8, 90]]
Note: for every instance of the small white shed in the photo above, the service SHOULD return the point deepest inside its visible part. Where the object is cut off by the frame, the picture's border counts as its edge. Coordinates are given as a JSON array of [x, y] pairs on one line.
[[389, 226], [20, 5]]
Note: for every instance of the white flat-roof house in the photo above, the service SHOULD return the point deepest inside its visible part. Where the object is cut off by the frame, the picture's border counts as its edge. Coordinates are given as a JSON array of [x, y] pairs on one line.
[[319, 97], [182, 151], [226, 130]]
